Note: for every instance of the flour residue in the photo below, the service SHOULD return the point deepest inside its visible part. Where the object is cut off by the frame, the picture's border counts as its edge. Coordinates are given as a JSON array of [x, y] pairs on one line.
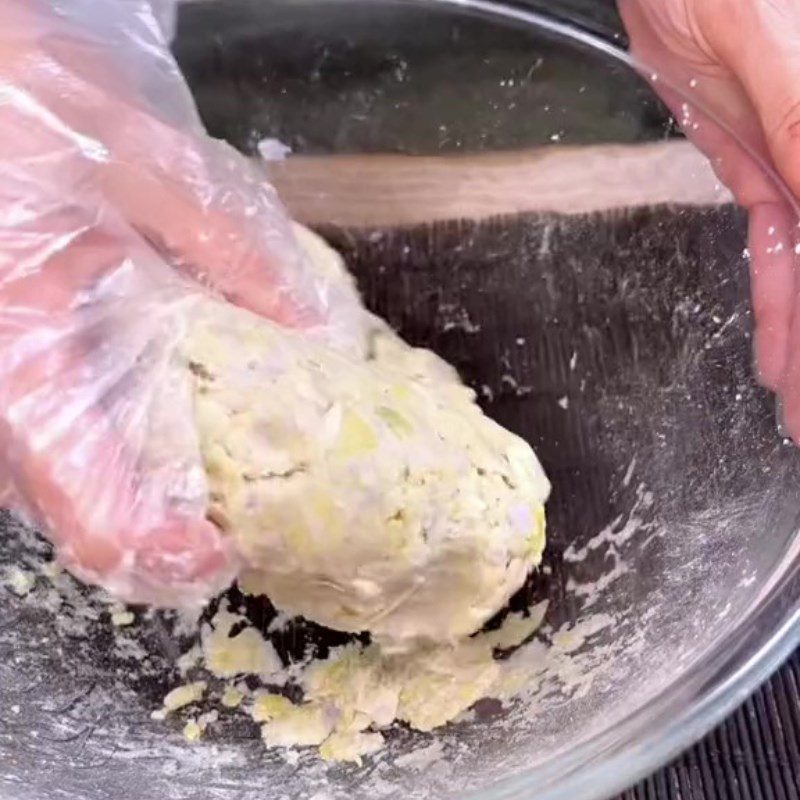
[[569, 681]]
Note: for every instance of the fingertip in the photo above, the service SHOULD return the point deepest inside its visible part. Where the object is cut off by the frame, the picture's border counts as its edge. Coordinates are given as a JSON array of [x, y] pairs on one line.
[[789, 415], [772, 282], [770, 354], [789, 388]]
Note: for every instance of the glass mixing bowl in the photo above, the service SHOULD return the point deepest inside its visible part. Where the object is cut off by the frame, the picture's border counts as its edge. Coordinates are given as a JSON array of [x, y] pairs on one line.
[[511, 194]]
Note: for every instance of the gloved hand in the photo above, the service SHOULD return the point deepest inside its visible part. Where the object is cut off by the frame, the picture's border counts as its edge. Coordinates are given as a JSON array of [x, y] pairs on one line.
[[740, 59], [116, 213]]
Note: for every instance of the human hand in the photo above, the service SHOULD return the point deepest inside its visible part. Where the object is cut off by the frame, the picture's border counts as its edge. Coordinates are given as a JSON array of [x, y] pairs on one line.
[[740, 59], [114, 206]]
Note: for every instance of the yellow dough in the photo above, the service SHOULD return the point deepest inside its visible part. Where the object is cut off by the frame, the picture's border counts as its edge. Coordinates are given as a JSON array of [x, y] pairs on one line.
[[366, 489]]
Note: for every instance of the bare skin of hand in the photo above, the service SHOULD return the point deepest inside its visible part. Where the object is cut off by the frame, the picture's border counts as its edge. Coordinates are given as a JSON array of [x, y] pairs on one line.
[[739, 60]]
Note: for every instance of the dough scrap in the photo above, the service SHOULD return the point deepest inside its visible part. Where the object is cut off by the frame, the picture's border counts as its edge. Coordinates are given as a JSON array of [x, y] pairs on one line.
[[358, 691]]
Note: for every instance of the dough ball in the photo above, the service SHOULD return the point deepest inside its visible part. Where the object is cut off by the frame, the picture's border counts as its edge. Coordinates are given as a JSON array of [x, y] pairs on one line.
[[366, 490]]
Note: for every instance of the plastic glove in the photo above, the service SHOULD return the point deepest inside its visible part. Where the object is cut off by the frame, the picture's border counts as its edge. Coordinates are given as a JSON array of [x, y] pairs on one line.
[[114, 208], [741, 60]]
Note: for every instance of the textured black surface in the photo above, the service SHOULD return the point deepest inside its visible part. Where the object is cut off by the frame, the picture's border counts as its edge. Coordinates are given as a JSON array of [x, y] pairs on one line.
[[753, 755]]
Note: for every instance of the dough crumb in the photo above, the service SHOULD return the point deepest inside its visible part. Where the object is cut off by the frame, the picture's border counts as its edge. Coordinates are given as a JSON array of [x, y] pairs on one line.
[[231, 697], [51, 569], [192, 731], [287, 725], [122, 618], [247, 653], [184, 695], [20, 581], [350, 746]]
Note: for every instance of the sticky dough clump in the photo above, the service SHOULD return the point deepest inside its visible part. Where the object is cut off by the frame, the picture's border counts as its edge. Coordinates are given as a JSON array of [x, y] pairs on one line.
[[366, 490]]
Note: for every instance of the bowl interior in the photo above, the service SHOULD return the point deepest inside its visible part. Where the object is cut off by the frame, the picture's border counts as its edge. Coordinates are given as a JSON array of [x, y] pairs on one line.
[[607, 323]]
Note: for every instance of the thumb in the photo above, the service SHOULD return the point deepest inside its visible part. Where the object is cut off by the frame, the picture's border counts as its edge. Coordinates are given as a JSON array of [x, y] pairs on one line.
[[760, 43]]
